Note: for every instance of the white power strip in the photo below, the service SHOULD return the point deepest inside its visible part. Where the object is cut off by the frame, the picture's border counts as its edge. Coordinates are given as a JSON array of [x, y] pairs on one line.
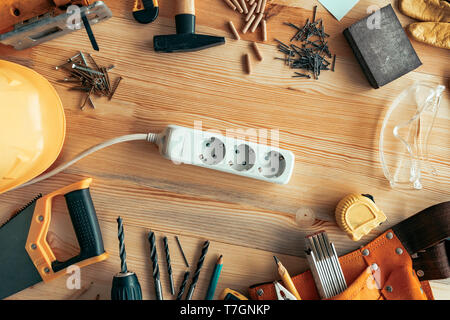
[[227, 154], [204, 149]]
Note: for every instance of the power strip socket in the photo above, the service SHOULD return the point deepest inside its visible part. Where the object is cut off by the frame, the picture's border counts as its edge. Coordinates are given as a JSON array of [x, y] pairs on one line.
[[227, 154]]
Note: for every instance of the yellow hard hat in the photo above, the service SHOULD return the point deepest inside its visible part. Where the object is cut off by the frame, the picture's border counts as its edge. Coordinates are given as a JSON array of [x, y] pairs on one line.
[[32, 125]]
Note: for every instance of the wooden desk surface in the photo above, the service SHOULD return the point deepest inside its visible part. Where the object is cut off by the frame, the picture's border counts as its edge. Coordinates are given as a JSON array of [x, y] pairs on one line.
[[331, 125]]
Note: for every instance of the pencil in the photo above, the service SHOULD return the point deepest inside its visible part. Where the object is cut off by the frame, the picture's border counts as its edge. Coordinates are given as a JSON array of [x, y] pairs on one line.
[[287, 280], [214, 279]]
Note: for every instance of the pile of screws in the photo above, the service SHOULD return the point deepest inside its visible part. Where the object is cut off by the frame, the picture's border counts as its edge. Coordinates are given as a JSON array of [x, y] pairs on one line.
[[89, 77], [312, 55]]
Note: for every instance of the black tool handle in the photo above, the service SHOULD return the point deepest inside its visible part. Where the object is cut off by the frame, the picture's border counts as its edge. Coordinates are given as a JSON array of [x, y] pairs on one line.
[[87, 230]]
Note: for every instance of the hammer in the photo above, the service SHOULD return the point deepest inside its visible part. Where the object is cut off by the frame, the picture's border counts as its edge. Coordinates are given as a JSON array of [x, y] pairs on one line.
[[185, 39]]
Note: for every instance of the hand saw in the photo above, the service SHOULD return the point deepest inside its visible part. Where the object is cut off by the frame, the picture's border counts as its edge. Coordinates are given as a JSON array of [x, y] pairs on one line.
[[25, 256]]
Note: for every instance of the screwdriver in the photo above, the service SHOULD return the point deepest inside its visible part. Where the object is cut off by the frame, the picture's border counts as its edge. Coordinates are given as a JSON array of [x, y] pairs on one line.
[[125, 284]]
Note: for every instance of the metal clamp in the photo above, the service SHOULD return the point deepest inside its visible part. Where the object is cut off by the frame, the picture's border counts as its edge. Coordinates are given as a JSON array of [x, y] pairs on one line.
[[47, 27]]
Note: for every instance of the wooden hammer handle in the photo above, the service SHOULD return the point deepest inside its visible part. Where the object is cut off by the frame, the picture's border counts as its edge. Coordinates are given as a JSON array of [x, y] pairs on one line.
[[185, 7]]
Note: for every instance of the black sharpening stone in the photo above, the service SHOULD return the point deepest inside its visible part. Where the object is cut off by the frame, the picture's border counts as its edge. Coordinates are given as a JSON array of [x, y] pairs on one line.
[[382, 47]]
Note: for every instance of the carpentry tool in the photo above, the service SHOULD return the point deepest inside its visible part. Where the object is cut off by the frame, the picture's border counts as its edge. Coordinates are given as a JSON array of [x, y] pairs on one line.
[[200, 262], [283, 293], [214, 279], [287, 280], [125, 284], [169, 265], [32, 125], [145, 11], [27, 23], [229, 294], [325, 267], [185, 39], [154, 258], [183, 285], [25, 256], [381, 47], [357, 215], [182, 252]]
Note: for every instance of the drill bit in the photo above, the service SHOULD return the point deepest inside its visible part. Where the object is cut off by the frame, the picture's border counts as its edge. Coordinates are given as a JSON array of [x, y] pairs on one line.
[[154, 257], [182, 252], [183, 285], [169, 265], [125, 284], [122, 252], [200, 262]]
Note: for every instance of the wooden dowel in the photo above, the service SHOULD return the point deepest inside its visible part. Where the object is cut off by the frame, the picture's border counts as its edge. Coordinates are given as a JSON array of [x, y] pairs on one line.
[[244, 6], [258, 8], [264, 30], [249, 23], [251, 11], [230, 4], [263, 6], [238, 6], [257, 21], [247, 64], [257, 51], [234, 31]]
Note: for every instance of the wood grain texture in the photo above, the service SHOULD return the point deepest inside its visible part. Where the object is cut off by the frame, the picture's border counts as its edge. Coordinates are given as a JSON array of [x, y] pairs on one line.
[[331, 125]]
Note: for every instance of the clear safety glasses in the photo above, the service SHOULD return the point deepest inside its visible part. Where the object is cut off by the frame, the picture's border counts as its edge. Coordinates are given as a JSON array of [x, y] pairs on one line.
[[404, 137]]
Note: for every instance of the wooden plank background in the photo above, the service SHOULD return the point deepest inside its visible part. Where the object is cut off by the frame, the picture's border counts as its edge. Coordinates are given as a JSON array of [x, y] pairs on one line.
[[331, 125]]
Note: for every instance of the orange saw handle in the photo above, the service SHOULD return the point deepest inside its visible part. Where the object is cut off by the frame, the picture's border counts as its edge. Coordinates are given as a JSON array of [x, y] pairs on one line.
[[85, 224]]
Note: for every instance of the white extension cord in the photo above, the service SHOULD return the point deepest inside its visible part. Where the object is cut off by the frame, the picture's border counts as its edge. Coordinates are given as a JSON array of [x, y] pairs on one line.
[[150, 137], [214, 151]]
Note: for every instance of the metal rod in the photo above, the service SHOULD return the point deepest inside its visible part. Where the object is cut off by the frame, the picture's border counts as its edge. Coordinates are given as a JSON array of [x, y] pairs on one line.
[[116, 85], [169, 265], [154, 258], [200, 262], [182, 252], [183, 285], [122, 252], [85, 69], [91, 36]]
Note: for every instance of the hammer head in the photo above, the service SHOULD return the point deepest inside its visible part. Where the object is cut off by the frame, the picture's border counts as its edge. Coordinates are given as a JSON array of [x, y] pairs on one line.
[[185, 42]]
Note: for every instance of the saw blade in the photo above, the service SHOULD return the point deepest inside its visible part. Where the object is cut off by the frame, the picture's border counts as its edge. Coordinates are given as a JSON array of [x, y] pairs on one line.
[[21, 209], [17, 271]]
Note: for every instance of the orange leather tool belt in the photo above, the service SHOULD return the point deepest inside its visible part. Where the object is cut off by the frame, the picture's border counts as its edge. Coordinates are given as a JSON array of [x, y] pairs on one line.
[[395, 265]]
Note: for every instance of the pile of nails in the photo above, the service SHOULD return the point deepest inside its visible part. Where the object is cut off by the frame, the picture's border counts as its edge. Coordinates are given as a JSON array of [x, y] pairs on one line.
[[312, 54], [89, 77]]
